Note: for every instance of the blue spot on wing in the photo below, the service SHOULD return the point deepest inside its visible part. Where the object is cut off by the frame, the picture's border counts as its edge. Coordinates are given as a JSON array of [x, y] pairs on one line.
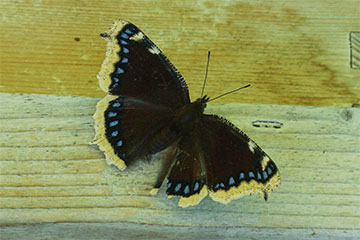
[[128, 31], [177, 188], [119, 143], [112, 114], [124, 35], [241, 176], [231, 181], [196, 186], [259, 176], [186, 189], [119, 70], [116, 104], [114, 123]]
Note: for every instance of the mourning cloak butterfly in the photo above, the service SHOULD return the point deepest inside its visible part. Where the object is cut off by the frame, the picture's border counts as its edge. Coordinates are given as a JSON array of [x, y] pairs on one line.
[[148, 109]]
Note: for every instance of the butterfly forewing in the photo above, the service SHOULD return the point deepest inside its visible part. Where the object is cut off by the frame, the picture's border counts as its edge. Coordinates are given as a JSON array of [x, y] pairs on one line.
[[235, 165], [135, 67]]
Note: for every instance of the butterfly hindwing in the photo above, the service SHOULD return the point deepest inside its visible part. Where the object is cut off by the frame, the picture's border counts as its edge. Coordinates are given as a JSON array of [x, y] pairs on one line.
[[187, 177], [125, 127]]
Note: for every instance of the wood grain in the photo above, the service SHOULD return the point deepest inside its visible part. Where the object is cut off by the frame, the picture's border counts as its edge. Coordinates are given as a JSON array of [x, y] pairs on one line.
[[293, 52], [50, 174]]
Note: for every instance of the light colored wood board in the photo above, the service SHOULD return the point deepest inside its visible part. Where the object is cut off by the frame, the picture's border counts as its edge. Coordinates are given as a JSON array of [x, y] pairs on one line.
[[139, 231], [50, 173], [294, 53]]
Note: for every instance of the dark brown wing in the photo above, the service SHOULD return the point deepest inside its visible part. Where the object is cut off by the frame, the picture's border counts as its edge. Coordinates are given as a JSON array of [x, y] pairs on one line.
[[125, 128], [219, 159], [144, 90], [235, 165], [187, 178], [136, 68]]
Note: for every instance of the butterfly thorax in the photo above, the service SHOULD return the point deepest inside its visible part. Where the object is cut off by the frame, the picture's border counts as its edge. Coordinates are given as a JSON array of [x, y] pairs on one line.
[[183, 122], [189, 116]]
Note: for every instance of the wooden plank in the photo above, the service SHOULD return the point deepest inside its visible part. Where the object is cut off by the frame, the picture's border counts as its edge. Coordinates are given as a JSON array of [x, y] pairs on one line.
[[49, 173], [293, 53], [131, 231]]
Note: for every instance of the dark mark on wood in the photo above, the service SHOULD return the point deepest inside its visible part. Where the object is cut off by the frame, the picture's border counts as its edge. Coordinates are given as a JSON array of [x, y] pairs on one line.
[[267, 124]]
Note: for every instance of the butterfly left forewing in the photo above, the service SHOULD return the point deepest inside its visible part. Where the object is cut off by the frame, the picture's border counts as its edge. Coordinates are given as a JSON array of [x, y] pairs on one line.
[[134, 66]]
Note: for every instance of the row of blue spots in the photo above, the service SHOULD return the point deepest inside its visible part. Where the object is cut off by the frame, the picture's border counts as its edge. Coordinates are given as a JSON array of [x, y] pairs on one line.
[[186, 188], [259, 176], [219, 185], [125, 36], [111, 114], [123, 41], [115, 122], [116, 133]]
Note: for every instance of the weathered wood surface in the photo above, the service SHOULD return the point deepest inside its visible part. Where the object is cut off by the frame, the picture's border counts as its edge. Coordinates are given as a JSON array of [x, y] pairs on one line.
[[293, 53], [50, 174]]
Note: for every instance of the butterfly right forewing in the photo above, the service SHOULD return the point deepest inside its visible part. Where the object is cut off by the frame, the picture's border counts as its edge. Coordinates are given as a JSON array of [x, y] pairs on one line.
[[235, 165]]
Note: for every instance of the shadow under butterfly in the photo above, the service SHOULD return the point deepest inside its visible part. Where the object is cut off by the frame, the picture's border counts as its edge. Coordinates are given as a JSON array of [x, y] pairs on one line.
[[148, 110]]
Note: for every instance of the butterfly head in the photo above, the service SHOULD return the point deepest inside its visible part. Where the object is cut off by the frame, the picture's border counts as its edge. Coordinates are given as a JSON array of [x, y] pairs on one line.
[[200, 103]]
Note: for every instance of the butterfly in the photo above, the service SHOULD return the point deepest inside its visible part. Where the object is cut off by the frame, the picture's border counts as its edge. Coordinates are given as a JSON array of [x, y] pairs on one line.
[[147, 110]]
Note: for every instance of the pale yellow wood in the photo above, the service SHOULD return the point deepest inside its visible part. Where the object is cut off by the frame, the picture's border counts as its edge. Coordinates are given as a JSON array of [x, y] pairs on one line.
[[292, 52], [49, 173]]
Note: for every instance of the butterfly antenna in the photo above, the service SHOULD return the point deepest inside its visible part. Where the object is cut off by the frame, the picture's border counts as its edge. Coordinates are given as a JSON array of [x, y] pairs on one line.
[[229, 92], [206, 73]]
